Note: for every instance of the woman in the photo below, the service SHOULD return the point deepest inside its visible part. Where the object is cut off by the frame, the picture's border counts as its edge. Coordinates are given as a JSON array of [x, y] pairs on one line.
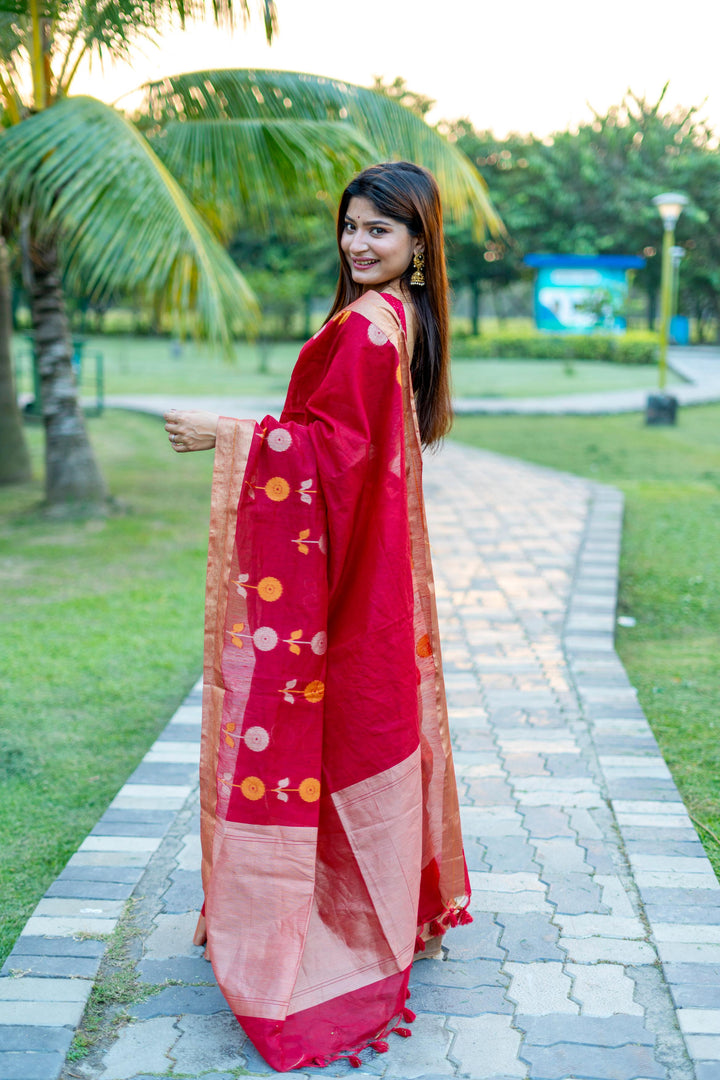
[[331, 841]]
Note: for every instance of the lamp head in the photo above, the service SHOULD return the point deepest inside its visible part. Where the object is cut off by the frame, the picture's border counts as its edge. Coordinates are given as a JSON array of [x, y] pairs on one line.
[[670, 205]]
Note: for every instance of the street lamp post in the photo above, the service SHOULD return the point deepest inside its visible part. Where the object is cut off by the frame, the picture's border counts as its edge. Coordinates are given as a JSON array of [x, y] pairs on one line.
[[662, 407], [676, 254]]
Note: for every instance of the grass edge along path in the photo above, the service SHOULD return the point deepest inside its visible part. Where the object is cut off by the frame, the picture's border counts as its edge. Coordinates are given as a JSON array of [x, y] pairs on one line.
[[101, 627], [669, 571], [115, 987]]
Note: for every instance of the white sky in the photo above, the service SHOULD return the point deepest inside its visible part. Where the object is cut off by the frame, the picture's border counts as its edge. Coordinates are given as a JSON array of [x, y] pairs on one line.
[[520, 65]]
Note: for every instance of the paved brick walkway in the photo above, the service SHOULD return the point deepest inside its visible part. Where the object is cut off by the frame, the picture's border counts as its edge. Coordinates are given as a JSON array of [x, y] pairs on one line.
[[595, 950]]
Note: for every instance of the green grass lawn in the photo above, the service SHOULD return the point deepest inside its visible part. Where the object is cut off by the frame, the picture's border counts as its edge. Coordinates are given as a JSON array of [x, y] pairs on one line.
[[102, 639], [152, 365], [670, 572], [542, 378]]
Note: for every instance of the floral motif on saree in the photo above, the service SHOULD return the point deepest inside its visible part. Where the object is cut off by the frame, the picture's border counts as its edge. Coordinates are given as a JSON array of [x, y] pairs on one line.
[[330, 822]]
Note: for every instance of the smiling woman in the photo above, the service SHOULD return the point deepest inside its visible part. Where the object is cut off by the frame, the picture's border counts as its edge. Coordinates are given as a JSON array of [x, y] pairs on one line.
[[379, 250], [406, 256], [332, 853]]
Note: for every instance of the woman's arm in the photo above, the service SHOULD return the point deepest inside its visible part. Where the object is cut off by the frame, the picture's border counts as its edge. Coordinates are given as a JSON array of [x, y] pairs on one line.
[[191, 429]]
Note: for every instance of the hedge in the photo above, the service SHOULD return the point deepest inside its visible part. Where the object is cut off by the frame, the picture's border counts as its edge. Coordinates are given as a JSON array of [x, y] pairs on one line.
[[635, 347]]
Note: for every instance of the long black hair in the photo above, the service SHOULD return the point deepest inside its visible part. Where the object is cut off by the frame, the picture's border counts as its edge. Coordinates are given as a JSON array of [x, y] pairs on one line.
[[409, 194]]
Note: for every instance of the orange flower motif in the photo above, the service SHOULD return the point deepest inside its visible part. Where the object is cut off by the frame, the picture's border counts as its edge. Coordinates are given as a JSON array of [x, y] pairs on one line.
[[277, 489], [315, 690], [270, 589], [252, 788], [423, 647], [309, 790]]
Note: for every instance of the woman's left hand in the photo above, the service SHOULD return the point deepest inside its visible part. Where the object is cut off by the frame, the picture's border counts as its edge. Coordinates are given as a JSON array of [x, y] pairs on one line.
[[191, 429]]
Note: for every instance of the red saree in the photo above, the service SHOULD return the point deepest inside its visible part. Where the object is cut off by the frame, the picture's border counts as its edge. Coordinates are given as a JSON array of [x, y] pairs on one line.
[[330, 823]]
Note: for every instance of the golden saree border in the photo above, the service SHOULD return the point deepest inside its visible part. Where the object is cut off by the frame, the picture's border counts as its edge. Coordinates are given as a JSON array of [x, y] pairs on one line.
[[252, 925], [445, 840], [370, 812], [232, 447]]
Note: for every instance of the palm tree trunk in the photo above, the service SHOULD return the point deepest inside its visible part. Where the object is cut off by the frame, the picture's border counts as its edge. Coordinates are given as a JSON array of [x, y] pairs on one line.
[[72, 477], [14, 454], [475, 287]]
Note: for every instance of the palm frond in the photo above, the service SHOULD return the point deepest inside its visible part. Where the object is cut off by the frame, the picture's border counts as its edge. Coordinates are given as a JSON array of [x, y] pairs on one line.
[[10, 37], [233, 170], [11, 43], [112, 26], [229, 13], [11, 40], [89, 177], [392, 131]]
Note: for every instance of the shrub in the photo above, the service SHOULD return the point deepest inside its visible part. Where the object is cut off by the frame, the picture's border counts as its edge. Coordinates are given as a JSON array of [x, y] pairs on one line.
[[636, 347]]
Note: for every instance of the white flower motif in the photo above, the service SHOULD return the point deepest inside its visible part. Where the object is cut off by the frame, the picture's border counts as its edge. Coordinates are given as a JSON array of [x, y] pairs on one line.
[[265, 638], [279, 439], [256, 738], [318, 644], [376, 335]]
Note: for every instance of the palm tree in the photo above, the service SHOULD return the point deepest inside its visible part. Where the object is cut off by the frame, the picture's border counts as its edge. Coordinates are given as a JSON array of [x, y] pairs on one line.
[[114, 203], [14, 454]]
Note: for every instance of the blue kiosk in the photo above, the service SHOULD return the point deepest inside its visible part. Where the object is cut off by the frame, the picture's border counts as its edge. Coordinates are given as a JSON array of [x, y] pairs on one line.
[[581, 294]]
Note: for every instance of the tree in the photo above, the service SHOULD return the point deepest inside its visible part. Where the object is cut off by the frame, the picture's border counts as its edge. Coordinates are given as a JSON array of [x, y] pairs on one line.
[[294, 259], [115, 204], [700, 235], [70, 211], [398, 90], [14, 453], [589, 191]]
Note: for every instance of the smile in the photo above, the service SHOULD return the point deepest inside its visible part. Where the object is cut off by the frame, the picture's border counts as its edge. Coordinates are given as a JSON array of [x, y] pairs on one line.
[[363, 264]]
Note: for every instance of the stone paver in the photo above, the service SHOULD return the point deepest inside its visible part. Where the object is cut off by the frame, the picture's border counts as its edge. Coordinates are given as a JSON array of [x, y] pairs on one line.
[[595, 950]]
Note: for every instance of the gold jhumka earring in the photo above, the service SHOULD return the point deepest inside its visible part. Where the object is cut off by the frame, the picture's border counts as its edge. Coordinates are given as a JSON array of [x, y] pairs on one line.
[[418, 277]]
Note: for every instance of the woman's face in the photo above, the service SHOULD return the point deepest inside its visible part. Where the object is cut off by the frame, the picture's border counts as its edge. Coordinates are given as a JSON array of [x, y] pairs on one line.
[[378, 249]]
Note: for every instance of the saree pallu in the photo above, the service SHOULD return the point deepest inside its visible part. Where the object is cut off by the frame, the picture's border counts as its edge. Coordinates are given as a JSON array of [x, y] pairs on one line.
[[329, 814]]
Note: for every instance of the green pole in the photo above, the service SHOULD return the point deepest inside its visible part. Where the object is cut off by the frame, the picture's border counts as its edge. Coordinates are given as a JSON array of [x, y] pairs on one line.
[[665, 302], [675, 289]]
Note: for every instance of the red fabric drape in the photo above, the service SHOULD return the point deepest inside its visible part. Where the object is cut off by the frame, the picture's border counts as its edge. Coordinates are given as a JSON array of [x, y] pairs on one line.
[[329, 810]]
